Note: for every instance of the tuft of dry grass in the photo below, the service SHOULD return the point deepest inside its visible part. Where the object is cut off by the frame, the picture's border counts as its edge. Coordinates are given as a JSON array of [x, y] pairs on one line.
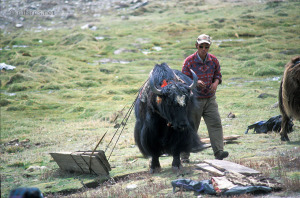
[[278, 166]]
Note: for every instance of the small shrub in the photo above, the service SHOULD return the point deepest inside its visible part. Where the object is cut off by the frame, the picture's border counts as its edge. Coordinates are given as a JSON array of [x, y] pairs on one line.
[[87, 83], [17, 78], [23, 96], [273, 4], [140, 11], [250, 63], [42, 60], [76, 38], [87, 113], [77, 109], [106, 71], [16, 108], [4, 102], [14, 149], [44, 69], [282, 14], [17, 87], [131, 91], [117, 98], [51, 87], [30, 102], [49, 106], [292, 183], [111, 92], [267, 56], [267, 71], [17, 164]]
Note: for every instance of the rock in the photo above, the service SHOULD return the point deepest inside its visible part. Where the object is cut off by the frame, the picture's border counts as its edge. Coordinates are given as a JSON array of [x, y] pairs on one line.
[[105, 60], [231, 115], [265, 95], [131, 187], [135, 1], [119, 51], [139, 4], [13, 142], [99, 38], [123, 50], [19, 25], [36, 168], [71, 16], [289, 52], [93, 28], [25, 141], [124, 17], [157, 48], [276, 105], [26, 54], [87, 26], [121, 5]]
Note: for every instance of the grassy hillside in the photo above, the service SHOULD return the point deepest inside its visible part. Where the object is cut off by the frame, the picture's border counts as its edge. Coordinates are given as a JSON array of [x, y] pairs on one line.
[[70, 83]]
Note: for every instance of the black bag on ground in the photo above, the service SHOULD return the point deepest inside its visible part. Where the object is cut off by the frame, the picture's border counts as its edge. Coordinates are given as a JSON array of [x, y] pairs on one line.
[[273, 124]]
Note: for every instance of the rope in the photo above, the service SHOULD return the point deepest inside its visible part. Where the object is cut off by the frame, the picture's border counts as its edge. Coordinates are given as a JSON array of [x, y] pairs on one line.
[[124, 122], [125, 116]]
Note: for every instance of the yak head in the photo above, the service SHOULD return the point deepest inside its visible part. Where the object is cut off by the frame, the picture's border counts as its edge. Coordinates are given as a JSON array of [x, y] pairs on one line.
[[172, 99]]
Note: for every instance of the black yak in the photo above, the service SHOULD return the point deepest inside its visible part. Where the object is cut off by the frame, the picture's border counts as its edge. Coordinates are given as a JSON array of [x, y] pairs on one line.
[[163, 116], [289, 96]]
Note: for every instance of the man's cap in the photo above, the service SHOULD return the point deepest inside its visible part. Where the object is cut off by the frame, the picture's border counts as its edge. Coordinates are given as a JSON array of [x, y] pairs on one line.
[[203, 38]]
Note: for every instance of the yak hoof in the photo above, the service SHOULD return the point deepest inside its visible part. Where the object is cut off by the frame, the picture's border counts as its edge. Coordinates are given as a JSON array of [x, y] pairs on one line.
[[176, 168], [285, 138], [155, 170]]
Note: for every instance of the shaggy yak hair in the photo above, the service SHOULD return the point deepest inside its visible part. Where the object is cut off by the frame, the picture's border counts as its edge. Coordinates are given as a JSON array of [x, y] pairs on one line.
[[163, 116], [289, 96]]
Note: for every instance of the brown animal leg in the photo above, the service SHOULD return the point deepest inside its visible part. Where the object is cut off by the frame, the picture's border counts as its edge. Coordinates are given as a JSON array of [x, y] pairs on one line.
[[155, 165], [284, 128], [285, 118]]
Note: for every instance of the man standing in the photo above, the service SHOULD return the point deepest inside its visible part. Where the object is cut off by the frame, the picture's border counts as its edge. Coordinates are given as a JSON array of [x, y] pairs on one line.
[[207, 68]]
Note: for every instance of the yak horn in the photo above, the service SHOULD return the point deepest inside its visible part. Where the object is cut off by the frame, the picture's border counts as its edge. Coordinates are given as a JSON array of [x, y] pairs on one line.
[[195, 78], [153, 87]]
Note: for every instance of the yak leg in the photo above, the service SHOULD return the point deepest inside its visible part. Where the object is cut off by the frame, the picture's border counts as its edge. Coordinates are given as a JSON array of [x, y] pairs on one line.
[[284, 128], [285, 117], [155, 165], [176, 164]]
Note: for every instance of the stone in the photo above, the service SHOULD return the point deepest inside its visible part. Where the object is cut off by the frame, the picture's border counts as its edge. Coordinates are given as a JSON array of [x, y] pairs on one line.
[[131, 187]]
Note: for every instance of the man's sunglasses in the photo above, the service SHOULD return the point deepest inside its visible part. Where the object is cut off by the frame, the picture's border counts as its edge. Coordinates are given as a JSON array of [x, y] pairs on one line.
[[201, 47]]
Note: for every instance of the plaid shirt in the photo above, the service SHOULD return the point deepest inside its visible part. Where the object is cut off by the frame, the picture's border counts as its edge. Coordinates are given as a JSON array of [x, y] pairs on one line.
[[207, 71]]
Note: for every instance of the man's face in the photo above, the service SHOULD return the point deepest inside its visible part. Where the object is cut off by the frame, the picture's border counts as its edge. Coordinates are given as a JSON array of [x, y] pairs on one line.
[[203, 49]]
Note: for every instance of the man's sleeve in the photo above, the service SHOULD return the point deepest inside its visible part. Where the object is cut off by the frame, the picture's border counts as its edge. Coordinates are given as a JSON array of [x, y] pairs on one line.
[[217, 74]]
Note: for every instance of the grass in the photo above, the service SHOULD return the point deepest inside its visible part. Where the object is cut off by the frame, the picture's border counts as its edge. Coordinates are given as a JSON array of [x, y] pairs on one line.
[[63, 96]]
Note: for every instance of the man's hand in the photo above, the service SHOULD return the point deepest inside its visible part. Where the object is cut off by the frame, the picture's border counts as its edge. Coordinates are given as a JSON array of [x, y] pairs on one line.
[[213, 87], [201, 84]]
